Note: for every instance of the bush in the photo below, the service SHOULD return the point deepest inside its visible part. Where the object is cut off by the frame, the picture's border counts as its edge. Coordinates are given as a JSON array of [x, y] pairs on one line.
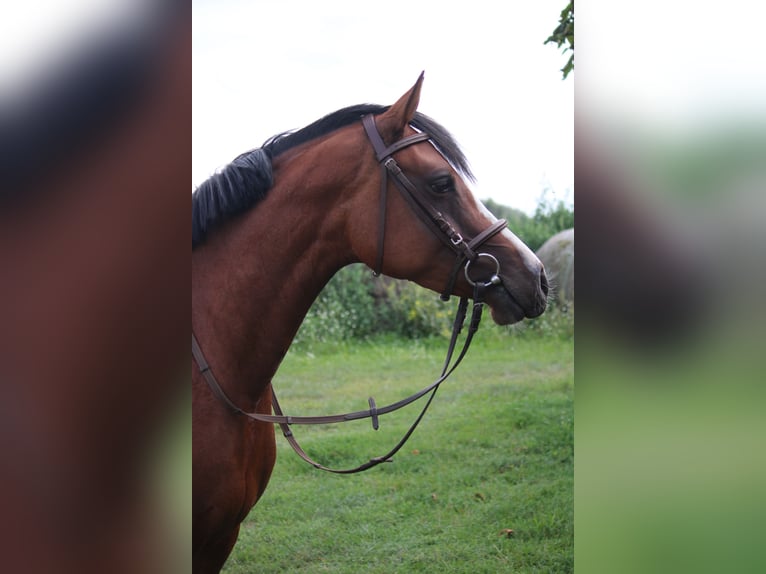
[[550, 217], [356, 305], [414, 312], [345, 309]]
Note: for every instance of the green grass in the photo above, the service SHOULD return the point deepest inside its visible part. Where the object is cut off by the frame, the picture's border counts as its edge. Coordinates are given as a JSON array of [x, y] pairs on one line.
[[494, 452]]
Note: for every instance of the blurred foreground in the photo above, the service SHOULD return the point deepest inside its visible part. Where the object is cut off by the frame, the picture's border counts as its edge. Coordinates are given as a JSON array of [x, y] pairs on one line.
[[95, 131], [670, 392], [670, 464]]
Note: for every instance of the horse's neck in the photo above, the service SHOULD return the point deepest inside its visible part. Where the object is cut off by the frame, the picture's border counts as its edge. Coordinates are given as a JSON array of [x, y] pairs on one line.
[[254, 283]]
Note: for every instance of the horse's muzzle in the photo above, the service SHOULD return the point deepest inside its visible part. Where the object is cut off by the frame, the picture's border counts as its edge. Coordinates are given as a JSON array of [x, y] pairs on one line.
[[509, 306]]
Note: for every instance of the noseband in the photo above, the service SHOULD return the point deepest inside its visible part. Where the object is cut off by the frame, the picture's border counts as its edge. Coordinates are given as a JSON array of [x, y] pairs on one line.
[[420, 204], [466, 255]]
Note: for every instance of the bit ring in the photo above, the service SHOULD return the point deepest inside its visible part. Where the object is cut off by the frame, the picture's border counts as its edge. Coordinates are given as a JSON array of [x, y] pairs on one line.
[[494, 280]]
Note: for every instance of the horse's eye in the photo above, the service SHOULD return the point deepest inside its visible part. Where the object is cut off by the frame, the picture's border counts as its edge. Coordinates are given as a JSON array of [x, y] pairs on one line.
[[443, 184]]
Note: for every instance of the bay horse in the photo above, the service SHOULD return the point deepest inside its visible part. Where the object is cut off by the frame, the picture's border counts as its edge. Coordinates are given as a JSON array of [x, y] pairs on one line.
[[272, 228]]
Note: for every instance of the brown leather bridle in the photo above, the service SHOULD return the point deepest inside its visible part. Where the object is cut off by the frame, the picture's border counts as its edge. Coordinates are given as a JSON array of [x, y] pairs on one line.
[[420, 204], [466, 254]]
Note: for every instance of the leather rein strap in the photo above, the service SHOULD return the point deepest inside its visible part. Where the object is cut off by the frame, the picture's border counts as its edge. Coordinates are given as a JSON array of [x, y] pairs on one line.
[[374, 412], [466, 254]]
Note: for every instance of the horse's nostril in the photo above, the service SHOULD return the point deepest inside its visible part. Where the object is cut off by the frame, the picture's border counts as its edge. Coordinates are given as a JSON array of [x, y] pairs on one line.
[[544, 282]]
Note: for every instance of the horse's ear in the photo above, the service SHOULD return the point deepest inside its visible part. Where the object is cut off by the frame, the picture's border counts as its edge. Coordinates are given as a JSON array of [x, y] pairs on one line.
[[392, 122]]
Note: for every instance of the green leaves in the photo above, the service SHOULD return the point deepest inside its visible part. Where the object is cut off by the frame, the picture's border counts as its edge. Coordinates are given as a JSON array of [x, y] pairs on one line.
[[551, 216], [564, 34]]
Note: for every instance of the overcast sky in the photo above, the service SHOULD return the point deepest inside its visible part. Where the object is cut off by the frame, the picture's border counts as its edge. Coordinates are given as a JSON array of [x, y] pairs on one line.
[[264, 67], [680, 66]]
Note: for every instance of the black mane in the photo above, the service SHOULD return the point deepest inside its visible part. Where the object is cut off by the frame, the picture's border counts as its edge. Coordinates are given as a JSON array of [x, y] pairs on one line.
[[246, 180]]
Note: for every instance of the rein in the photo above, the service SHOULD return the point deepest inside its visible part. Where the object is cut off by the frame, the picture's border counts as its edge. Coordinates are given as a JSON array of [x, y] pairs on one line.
[[374, 412], [466, 254]]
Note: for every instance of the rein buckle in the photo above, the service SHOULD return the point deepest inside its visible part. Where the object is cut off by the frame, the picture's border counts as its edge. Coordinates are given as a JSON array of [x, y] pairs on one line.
[[374, 414]]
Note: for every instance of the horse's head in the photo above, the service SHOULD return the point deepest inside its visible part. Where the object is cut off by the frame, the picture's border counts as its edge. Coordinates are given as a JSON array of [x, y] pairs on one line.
[[432, 230]]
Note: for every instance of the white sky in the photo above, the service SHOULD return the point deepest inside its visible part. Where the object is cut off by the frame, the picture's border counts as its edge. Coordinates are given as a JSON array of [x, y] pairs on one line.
[[263, 67], [679, 66], [36, 34]]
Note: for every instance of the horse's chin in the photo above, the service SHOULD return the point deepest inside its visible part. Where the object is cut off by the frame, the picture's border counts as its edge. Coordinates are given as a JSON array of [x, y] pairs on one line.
[[503, 307]]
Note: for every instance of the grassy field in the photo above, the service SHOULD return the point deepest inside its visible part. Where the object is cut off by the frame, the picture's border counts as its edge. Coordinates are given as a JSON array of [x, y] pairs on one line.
[[485, 485]]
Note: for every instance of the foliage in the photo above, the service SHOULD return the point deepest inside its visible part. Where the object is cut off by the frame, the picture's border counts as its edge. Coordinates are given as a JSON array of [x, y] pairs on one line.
[[416, 312], [354, 305], [346, 309], [564, 33], [550, 217]]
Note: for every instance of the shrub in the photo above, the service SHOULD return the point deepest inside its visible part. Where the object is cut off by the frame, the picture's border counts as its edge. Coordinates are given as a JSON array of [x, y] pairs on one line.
[[414, 312], [550, 217], [345, 309]]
